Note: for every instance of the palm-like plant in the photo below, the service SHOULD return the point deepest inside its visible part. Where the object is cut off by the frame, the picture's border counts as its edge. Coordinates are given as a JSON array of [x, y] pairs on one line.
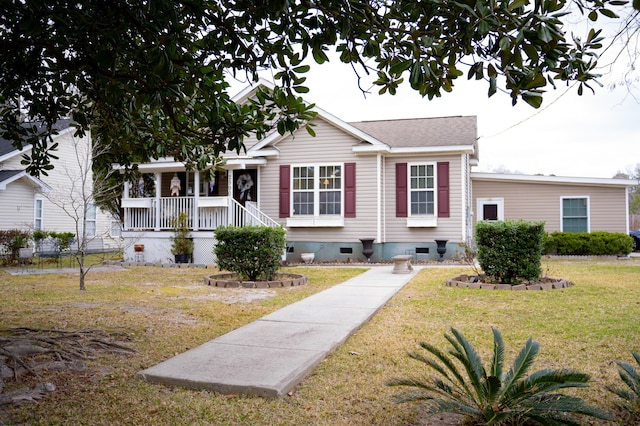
[[494, 396], [630, 396]]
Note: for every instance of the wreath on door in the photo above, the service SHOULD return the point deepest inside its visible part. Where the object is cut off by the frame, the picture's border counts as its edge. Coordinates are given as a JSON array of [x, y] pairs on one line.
[[245, 183]]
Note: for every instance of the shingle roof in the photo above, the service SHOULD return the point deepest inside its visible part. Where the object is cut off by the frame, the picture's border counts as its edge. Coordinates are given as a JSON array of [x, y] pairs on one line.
[[421, 132], [6, 174], [7, 147]]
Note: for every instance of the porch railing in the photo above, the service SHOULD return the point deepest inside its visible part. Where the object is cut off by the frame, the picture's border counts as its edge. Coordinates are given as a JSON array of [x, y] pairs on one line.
[[260, 217], [160, 214]]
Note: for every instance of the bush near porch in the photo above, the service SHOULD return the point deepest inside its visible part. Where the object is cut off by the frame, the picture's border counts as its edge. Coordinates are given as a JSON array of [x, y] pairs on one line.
[[254, 252]]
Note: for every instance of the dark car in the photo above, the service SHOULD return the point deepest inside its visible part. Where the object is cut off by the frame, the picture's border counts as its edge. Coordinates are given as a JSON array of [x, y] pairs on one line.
[[636, 239]]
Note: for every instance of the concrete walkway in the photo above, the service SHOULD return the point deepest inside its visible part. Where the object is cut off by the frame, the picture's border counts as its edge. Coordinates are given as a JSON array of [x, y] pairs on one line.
[[270, 356]]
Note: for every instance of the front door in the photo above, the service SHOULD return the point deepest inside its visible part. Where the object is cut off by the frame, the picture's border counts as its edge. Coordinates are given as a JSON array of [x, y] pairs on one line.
[[245, 185]]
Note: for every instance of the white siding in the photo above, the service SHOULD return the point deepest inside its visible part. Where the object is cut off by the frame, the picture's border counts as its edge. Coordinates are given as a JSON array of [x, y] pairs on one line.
[[66, 193], [16, 205]]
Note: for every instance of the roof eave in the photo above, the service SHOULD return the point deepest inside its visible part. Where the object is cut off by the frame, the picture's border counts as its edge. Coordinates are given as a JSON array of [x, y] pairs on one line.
[[35, 182], [449, 149], [558, 180]]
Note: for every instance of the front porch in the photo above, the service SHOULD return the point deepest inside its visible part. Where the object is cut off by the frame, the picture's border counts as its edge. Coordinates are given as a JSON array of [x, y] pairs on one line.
[[152, 205]]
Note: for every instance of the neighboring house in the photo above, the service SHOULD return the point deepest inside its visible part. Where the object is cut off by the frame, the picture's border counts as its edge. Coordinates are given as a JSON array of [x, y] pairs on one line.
[[402, 183], [29, 203]]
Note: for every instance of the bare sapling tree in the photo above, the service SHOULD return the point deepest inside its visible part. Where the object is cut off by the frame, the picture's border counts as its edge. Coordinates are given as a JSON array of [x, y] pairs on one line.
[[77, 195]]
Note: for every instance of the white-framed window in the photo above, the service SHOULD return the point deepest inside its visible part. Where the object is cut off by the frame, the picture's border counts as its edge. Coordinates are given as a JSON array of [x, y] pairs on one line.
[[574, 214], [317, 195], [91, 220], [115, 227], [490, 209], [38, 213], [422, 189], [422, 200]]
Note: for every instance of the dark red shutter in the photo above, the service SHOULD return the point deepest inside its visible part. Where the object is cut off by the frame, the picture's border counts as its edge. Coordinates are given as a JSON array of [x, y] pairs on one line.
[[401, 190], [285, 190], [350, 190], [443, 189]]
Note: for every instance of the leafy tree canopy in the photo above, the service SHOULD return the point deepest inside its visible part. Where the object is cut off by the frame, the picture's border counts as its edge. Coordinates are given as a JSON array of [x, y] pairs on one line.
[[148, 77]]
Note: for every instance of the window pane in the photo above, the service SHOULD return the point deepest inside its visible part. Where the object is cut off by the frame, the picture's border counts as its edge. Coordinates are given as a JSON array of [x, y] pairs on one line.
[[330, 202], [303, 203], [422, 203], [329, 177], [574, 225], [490, 212], [38, 215], [116, 228], [574, 215], [91, 229], [303, 178], [91, 220]]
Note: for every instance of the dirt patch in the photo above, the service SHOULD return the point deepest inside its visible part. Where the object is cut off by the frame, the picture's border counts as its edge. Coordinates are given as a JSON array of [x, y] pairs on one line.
[[238, 295], [439, 419]]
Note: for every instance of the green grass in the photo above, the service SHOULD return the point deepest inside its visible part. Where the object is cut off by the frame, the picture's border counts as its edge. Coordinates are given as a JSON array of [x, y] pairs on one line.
[[584, 327]]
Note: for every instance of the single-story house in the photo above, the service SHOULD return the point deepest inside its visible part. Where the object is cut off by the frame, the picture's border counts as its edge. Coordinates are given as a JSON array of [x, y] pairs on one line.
[[28, 203], [402, 184]]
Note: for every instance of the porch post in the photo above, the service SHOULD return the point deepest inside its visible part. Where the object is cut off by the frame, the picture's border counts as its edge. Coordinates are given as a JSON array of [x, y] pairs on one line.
[[127, 212], [158, 206], [230, 204], [196, 199]]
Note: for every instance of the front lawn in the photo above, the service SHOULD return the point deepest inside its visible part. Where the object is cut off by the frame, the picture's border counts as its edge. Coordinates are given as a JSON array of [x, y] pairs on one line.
[[167, 311]]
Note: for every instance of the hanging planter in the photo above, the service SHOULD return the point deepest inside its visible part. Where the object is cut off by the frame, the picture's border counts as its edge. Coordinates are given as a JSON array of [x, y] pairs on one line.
[[138, 248]]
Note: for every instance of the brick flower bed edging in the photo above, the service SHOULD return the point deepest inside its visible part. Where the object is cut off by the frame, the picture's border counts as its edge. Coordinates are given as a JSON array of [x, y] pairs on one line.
[[472, 281], [232, 280]]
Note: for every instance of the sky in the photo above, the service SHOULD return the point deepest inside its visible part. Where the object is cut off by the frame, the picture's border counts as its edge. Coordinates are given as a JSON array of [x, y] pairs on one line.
[[593, 135], [570, 135]]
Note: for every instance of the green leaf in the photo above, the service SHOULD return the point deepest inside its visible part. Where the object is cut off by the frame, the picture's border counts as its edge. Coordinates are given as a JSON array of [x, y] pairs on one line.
[[515, 4], [608, 13], [319, 56], [504, 43], [400, 67], [492, 85], [302, 69], [533, 99]]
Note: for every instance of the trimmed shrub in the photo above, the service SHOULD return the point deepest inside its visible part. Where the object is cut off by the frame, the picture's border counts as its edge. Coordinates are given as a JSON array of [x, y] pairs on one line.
[[253, 252], [589, 243], [510, 252], [10, 243]]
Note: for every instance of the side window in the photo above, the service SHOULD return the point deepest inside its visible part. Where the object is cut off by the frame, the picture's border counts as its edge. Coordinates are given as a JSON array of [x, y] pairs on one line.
[[115, 228], [490, 209], [422, 184], [575, 214], [38, 214], [91, 220]]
